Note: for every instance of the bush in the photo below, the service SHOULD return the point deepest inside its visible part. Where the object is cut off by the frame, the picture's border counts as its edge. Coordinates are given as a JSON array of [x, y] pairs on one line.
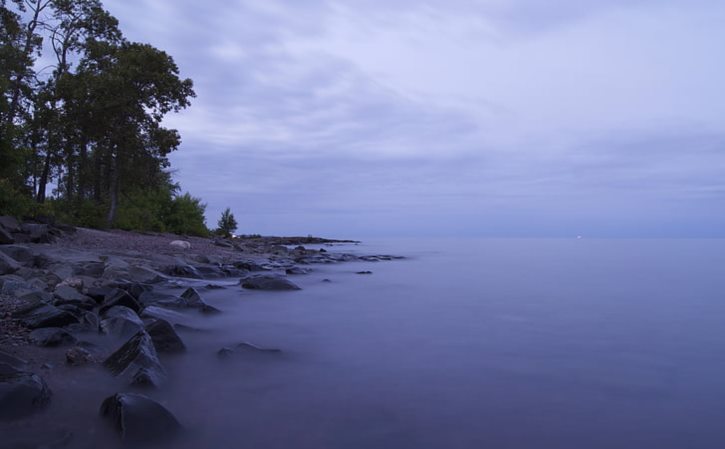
[[187, 216], [15, 202], [227, 223]]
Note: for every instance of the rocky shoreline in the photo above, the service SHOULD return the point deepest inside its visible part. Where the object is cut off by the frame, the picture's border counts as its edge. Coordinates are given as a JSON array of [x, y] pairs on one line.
[[105, 298]]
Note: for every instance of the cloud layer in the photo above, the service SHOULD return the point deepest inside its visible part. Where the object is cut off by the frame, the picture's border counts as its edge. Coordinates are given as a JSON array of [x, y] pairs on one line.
[[450, 117]]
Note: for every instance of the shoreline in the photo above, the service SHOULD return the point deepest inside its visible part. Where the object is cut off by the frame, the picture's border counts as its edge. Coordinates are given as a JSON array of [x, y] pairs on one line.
[[101, 300]]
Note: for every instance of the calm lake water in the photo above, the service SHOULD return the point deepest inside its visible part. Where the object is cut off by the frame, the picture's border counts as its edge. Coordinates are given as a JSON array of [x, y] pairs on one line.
[[520, 344]]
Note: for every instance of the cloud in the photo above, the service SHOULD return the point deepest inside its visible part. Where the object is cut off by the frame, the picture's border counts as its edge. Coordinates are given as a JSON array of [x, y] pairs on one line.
[[517, 114]]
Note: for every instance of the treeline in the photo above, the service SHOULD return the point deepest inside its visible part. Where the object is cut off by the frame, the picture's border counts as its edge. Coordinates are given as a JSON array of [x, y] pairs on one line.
[[81, 110]]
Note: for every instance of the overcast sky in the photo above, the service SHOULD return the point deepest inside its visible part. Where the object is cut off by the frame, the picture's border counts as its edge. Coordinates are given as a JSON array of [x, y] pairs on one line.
[[364, 118]]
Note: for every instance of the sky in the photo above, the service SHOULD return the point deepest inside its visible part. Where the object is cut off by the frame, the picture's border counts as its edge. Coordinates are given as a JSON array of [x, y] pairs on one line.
[[488, 118]]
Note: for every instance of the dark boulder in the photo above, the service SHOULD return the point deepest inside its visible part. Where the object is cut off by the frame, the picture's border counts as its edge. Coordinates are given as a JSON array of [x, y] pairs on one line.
[[364, 272], [248, 265], [268, 282], [21, 393], [6, 238], [19, 253], [99, 294], [137, 357], [164, 337], [138, 419], [296, 271], [51, 336], [43, 315], [120, 297], [193, 300], [121, 321], [9, 223]]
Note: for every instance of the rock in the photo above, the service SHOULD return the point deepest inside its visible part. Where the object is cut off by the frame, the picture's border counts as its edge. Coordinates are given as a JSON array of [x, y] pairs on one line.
[[120, 298], [65, 294], [37, 438], [8, 265], [44, 315], [182, 270], [296, 271], [249, 265], [135, 355], [364, 272], [12, 361], [92, 269], [223, 243], [38, 233], [180, 244], [51, 336], [225, 352], [164, 336], [91, 321], [194, 301], [20, 253], [267, 282], [138, 419], [21, 394], [249, 347], [78, 356], [9, 223], [99, 293], [121, 321], [145, 275], [13, 286], [76, 283], [326, 280], [35, 296], [6, 238]]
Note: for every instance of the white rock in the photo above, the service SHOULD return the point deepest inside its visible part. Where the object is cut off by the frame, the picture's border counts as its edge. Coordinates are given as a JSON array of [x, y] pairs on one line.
[[180, 244]]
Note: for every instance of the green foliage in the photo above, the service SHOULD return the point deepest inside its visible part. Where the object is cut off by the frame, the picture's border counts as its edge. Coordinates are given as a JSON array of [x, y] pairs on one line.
[[187, 216], [227, 223], [14, 202]]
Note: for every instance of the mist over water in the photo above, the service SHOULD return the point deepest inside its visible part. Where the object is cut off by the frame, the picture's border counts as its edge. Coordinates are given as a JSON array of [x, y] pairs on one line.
[[547, 344]]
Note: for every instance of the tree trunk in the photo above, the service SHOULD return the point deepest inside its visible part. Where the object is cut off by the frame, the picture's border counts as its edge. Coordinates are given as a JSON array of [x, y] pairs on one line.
[[113, 189], [42, 184]]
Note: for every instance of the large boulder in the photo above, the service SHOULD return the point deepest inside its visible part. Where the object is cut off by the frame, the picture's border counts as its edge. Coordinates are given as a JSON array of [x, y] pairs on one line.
[[8, 265], [164, 336], [267, 282], [137, 359], [180, 244], [138, 419], [145, 275], [193, 300], [21, 393], [121, 321], [6, 238], [9, 223], [51, 336], [44, 315]]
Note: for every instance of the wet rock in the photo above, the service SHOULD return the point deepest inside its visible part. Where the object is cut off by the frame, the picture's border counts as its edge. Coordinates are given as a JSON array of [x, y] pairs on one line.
[[248, 265], [268, 282], [15, 286], [8, 265], [35, 296], [326, 280], [9, 223], [79, 356], [161, 299], [225, 352], [51, 336], [91, 321], [193, 300], [164, 337], [10, 360], [38, 232], [21, 394], [121, 321], [136, 355], [92, 269], [139, 419], [43, 315], [182, 270], [364, 272], [223, 243]]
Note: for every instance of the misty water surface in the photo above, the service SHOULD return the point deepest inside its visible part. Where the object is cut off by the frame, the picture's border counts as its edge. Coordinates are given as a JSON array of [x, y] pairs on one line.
[[542, 344]]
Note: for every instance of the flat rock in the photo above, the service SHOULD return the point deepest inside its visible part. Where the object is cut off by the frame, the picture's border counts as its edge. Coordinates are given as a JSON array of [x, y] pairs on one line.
[[164, 336], [20, 253], [145, 275], [135, 356], [65, 294], [139, 419], [268, 282], [21, 394], [51, 336]]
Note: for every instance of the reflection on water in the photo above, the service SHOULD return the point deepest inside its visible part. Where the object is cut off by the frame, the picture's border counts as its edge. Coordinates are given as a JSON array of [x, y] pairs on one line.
[[546, 344]]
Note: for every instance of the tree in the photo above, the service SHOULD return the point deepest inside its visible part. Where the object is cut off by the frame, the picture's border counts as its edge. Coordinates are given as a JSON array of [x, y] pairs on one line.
[[227, 224]]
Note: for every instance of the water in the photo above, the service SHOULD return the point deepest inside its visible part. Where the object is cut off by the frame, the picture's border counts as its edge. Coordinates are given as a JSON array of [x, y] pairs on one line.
[[545, 344]]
